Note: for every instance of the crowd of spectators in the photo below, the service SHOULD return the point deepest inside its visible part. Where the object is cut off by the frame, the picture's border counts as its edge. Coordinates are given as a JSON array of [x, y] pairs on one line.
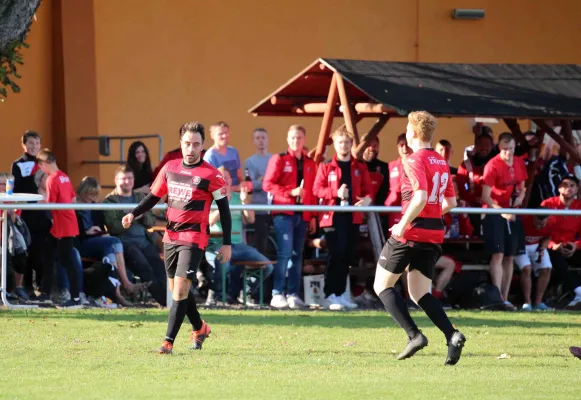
[[75, 259]]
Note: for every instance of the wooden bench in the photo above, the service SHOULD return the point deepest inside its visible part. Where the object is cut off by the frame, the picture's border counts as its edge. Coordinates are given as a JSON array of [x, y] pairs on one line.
[[251, 269]]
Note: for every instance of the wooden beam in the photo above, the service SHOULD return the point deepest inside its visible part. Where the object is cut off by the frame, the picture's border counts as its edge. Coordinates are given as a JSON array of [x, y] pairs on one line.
[[373, 108], [291, 100], [372, 134], [572, 150], [514, 127], [567, 131], [348, 110], [327, 119], [533, 156]]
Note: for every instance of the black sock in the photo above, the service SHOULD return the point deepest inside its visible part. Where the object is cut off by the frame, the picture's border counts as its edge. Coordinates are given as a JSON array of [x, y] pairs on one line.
[[193, 314], [395, 305], [433, 309], [177, 313]]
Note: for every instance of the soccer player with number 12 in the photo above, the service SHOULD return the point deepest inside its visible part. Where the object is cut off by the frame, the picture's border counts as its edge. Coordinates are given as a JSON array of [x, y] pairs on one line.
[[427, 193]]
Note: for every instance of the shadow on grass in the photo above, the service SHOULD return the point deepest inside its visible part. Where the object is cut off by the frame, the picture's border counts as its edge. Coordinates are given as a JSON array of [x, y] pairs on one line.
[[325, 319]]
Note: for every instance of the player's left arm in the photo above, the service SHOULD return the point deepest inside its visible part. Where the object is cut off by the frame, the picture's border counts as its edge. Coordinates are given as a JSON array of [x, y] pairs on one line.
[[449, 196], [220, 195]]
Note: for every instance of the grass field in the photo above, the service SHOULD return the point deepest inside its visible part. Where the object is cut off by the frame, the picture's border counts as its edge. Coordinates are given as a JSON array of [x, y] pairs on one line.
[[95, 354]]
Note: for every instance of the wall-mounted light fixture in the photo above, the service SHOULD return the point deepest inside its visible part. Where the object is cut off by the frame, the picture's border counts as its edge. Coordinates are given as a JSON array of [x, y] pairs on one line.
[[468, 13]]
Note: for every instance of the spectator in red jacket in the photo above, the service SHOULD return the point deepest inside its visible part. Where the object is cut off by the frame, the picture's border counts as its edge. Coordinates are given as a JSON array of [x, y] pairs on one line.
[[565, 244], [395, 177], [341, 181], [289, 178]]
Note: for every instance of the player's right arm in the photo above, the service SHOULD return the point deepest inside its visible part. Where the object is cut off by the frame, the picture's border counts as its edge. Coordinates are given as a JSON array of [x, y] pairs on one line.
[[158, 190], [416, 173]]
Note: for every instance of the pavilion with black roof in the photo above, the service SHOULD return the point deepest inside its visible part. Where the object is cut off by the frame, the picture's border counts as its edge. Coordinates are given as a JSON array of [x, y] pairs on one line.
[[355, 89]]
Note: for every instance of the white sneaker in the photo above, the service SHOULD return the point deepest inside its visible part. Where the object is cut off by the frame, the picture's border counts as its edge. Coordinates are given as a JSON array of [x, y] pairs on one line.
[[346, 301], [64, 296], [83, 299], [278, 301], [295, 301], [575, 304], [333, 303]]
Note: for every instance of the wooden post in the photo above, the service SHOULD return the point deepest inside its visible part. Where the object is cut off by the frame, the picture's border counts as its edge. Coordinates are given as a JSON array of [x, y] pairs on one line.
[[567, 131], [327, 119], [348, 110], [514, 127], [372, 134], [572, 150], [534, 153]]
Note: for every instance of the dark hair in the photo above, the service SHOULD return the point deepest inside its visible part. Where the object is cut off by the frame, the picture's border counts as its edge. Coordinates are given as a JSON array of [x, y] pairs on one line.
[[401, 137], [259, 130], [569, 178], [145, 169], [30, 134], [445, 143], [45, 155], [123, 169], [541, 217], [505, 137], [194, 127]]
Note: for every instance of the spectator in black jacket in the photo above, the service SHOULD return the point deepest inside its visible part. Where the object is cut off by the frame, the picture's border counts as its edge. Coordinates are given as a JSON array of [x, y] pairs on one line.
[[39, 222]]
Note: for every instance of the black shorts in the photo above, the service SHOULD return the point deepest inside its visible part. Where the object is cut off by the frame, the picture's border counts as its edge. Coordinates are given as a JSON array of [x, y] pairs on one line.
[[182, 261], [502, 236], [396, 256]]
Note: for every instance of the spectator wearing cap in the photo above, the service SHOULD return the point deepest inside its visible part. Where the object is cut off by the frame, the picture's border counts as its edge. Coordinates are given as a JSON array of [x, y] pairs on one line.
[[503, 187], [565, 245]]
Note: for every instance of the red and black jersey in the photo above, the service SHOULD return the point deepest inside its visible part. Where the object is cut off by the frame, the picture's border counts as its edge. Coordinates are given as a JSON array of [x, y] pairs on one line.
[[190, 191], [532, 234], [426, 170], [565, 228]]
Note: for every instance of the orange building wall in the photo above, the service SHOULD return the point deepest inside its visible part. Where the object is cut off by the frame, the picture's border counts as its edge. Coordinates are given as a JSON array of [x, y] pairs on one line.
[[31, 108], [134, 67], [160, 65]]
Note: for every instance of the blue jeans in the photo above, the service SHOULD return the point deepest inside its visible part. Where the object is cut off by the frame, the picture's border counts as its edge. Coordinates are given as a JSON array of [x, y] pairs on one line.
[[290, 240], [63, 280], [240, 252], [100, 247]]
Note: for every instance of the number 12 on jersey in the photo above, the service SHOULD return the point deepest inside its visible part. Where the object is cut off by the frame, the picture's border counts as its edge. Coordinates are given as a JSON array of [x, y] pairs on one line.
[[440, 183]]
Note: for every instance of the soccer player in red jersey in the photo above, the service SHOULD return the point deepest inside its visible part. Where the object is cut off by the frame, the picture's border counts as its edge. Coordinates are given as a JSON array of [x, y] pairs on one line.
[[191, 185], [503, 187], [427, 193], [64, 227]]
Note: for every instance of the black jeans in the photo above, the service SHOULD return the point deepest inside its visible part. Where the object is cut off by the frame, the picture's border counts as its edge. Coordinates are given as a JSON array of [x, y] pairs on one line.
[[561, 273], [64, 248], [341, 241], [143, 260]]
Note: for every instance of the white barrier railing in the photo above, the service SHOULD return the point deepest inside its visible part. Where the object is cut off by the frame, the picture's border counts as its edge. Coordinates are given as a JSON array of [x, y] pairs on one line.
[[6, 205], [264, 207]]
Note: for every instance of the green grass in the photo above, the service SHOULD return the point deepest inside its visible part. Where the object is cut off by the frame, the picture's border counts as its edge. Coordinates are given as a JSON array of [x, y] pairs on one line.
[[93, 354]]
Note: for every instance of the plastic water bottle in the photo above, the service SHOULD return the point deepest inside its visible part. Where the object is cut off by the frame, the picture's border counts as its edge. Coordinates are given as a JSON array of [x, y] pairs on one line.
[[455, 227]]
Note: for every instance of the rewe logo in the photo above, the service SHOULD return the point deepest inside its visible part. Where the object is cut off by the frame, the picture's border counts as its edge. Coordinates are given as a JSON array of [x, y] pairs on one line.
[[178, 192]]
